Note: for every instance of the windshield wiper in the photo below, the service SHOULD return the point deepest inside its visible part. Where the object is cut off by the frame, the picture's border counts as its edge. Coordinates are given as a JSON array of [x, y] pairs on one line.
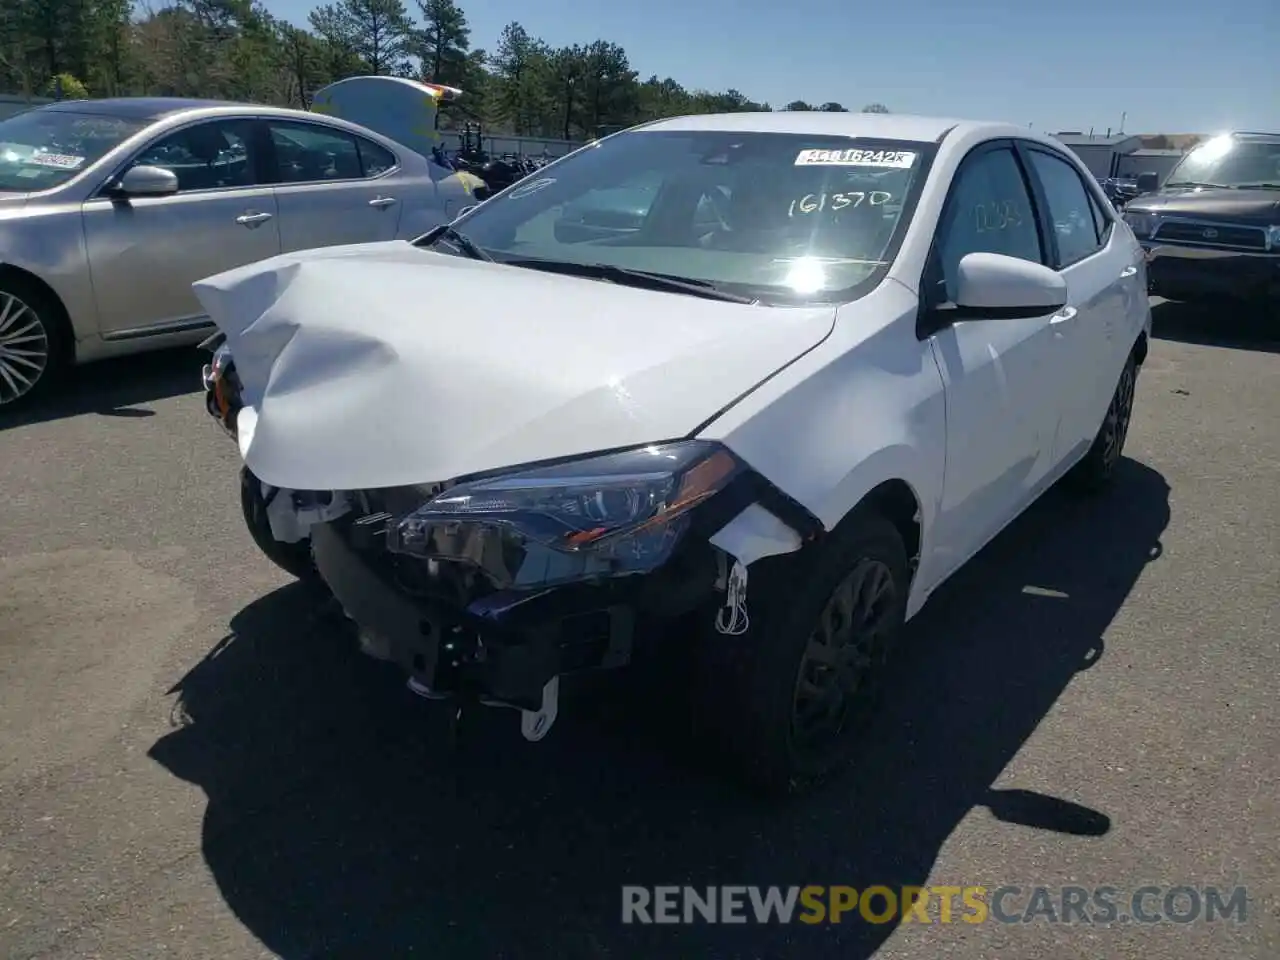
[[1258, 185], [632, 278], [1198, 183], [459, 240]]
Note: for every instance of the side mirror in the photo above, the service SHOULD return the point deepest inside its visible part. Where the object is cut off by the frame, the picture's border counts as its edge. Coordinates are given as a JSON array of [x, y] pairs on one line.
[[147, 182], [991, 286], [1148, 182]]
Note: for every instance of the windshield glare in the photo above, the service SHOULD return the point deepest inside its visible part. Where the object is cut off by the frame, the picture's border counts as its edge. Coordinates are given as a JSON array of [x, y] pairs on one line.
[[773, 215], [1230, 163], [40, 149]]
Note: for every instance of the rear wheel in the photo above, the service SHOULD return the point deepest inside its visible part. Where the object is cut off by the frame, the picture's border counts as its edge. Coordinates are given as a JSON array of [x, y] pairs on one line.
[[1095, 472], [293, 558], [33, 343], [791, 698]]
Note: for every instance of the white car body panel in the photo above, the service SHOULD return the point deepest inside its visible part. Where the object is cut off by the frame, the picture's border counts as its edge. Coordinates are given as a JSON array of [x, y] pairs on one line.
[[866, 406], [443, 366], [346, 387]]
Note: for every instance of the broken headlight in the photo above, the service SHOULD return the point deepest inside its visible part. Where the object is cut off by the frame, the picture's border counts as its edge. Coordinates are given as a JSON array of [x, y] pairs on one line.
[[603, 516]]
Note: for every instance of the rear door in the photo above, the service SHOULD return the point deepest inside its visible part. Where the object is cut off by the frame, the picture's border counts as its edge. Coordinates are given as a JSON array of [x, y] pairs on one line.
[[145, 252], [1101, 279], [332, 187]]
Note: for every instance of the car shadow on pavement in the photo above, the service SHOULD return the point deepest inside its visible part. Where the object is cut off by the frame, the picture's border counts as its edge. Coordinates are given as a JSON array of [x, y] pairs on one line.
[[116, 388], [1217, 325], [338, 825]]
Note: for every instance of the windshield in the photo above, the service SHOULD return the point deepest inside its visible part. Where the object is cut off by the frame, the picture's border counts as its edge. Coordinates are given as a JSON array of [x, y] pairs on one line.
[[1228, 162], [773, 216], [40, 149]]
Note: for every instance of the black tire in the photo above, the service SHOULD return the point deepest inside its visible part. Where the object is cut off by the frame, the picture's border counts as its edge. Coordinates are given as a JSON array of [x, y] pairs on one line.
[[1096, 471], [294, 559], [751, 685], [33, 323]]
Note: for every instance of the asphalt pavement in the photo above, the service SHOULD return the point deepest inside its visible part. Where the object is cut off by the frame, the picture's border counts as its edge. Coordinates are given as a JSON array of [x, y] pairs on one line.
[[194, 763]]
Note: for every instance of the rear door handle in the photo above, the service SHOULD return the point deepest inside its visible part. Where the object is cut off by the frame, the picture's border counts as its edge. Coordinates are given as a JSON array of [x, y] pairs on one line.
[[382, 201], [1127, 272], [252, 219], [1065, 314]]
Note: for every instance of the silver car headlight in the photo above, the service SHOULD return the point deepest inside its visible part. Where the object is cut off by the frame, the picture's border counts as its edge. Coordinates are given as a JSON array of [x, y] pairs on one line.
[[1141, 223], [603, 516]]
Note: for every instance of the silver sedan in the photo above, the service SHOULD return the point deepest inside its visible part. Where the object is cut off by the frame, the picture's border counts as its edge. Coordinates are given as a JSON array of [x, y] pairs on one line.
[[111, 209]]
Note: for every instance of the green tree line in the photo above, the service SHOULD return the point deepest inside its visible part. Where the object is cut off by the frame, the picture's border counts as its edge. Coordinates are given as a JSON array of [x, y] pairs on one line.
[[236, 50]]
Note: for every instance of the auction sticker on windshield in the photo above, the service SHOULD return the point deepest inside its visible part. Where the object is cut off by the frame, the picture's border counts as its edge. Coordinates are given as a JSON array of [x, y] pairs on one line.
[[62, 161], [897, 159]]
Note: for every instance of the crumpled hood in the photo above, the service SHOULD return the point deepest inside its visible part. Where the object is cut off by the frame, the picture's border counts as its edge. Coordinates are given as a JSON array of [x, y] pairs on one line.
[[383, 364]]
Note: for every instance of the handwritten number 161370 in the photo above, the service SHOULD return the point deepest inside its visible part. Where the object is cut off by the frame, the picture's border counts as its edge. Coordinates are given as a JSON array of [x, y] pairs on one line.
[[817, 202]]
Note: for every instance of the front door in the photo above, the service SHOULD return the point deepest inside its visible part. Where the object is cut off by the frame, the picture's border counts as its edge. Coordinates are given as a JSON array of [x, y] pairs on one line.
[[1001, 375], [145, 252], [332, 186]]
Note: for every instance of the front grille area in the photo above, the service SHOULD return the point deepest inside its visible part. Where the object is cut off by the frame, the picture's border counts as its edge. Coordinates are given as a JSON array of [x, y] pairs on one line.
[[1212, 234]]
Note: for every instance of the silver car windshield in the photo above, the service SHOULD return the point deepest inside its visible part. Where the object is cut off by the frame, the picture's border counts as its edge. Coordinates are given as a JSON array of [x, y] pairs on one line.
[[40, 149], [773, 215]]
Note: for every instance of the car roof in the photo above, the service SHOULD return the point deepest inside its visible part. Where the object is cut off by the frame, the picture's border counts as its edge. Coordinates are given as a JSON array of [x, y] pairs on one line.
[[886, 126], [137, 108], [155, 109]]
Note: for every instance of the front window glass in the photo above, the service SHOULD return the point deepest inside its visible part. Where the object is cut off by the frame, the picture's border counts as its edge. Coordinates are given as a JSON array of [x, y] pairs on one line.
[[990, 211], [205, 156], [40, 149], [1228, 162], [772, 215]]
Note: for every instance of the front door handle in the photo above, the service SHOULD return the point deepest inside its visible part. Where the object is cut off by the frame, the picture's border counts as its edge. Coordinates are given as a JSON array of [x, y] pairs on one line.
[[252, 219], [382, 201], [1128, 272], [1065, 314]]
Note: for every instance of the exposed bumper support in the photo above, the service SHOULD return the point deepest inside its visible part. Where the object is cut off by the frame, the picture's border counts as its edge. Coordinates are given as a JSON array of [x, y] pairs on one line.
[[503, 648]]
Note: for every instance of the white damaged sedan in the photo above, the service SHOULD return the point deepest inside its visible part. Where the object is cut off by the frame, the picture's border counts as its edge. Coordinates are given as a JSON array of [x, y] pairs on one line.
[[767, 378]]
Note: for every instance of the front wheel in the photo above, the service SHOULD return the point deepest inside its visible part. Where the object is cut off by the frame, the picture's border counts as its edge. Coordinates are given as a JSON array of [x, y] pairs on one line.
[[33, 347], [293, 558], [791, 697]]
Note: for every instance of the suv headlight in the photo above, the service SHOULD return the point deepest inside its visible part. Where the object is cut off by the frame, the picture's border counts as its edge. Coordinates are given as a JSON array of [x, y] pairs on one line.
[[603, 516], [1273, 237], [1142, 224]]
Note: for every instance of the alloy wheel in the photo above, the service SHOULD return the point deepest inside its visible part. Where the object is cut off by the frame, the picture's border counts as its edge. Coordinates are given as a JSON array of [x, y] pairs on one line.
[[24, 348], [843, 657]]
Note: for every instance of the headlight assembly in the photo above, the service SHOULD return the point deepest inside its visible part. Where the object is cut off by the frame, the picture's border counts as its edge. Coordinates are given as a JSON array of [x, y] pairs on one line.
[[610, 515], [1141, 223]]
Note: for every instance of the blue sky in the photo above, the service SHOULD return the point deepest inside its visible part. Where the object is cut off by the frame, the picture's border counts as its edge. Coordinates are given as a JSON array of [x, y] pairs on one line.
[[1173, 66]]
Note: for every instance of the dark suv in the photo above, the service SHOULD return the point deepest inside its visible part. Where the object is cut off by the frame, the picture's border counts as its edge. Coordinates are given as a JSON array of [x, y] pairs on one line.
[[1213, 230]]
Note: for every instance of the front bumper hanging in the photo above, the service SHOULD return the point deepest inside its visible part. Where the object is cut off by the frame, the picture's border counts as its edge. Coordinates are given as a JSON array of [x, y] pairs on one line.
[[503, 648]]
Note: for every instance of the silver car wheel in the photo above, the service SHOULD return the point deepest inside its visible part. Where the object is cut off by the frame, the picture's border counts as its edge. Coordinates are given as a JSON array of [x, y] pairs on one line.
[[24, 348]]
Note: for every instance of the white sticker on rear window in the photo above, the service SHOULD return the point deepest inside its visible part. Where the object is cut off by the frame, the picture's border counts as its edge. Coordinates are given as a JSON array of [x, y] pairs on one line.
[[898, 159], [63, 161]]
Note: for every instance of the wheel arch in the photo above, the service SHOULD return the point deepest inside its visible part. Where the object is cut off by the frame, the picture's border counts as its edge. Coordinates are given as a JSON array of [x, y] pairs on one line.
[[897, 501]]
